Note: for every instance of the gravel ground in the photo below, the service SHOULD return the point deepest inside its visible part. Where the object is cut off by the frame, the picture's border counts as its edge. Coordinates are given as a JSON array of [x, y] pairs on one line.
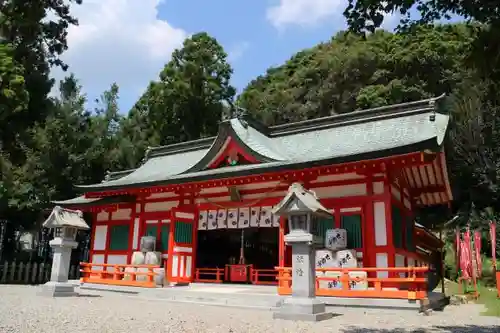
[[21, 310]]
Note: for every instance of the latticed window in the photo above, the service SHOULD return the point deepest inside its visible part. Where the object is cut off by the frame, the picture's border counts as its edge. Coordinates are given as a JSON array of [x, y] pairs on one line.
[[410, 241], [397, 227], [119, 236], [353, 226], [322, 225], [161, 232], [183, 232]]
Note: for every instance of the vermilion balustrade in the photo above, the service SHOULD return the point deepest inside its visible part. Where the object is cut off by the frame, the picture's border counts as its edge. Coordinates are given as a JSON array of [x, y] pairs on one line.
[[117, 275], [413, 286]]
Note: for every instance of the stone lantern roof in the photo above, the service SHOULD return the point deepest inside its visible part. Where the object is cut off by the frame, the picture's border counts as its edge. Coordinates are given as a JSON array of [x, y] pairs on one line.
[[62, 217], [300, 200]]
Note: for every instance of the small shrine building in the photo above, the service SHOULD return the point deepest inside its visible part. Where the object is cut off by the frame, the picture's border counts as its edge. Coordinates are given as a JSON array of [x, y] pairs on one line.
[[372, 168]]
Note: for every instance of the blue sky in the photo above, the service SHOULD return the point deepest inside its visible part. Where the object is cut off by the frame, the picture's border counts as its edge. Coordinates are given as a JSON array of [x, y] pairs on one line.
[[129, 41]]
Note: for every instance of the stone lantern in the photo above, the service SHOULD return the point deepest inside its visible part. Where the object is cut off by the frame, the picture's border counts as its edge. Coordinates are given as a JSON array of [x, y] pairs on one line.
[[302, 208], [66, 224]]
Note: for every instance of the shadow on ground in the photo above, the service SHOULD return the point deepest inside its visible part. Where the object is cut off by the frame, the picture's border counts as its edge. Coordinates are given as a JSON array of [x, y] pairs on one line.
[[448, 329], [89, 295]]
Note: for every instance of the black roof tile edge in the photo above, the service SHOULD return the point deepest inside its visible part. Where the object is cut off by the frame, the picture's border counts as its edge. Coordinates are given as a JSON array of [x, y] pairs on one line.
[[360, 116]]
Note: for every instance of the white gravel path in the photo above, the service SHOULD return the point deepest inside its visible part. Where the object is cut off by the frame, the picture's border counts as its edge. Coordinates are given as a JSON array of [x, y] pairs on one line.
[[21, 310]]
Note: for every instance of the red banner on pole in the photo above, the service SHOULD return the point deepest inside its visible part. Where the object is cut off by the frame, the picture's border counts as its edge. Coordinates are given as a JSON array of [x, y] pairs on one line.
[[477, 248]]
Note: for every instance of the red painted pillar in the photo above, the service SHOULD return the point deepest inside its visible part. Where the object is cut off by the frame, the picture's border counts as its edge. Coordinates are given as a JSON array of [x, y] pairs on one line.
[[391, 252]]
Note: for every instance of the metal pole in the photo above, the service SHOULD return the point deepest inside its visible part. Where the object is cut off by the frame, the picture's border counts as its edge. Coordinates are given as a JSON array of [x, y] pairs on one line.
[[242, 248], [443, 254]]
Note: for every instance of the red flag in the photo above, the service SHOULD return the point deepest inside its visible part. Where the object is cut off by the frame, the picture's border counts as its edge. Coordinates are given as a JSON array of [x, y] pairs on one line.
[[477, 248], [466, 252], [464, 260]]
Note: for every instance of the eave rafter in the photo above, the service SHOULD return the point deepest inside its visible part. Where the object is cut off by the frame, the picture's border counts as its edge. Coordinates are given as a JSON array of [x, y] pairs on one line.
[[286, 176]]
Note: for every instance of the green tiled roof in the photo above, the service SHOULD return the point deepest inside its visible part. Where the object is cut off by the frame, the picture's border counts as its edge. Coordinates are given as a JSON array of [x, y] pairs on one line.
[[358, 135], [82, 201]]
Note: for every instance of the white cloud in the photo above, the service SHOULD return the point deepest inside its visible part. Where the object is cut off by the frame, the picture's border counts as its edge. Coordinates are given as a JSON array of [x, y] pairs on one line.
[[120, 41], [303, 12], [237, 51], [313, 12]]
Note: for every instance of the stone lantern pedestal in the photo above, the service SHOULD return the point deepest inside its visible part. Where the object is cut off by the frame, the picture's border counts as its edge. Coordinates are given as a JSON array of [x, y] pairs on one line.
[[302, 207], [65, 223]]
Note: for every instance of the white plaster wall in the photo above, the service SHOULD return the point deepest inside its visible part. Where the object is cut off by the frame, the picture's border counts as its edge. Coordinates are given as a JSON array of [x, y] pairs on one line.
[[119, 259], [161, 195], [380, 223], [382, 262], [341, 176], [189, 263], [254, 186], [399, 261], [350, 209], [97, 259], [102, 216], [175, 265], [378, 187], [160, 206], [100, 235], [121, 214], [341, 191], [407, 203], [184, 215], [411, 262], [135, 239], [395, 192], [217, 199]]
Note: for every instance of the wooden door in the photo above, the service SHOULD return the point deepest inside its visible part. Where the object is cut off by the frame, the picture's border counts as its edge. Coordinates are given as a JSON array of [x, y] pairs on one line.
[[182, 246]]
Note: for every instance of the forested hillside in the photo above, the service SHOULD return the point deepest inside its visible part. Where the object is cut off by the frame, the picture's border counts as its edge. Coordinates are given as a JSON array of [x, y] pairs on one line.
[[350, 73], [47, 144]]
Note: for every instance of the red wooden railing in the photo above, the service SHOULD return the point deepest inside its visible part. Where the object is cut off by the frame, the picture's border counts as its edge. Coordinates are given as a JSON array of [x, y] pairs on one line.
[[413, 286], [209, 275], [263, 276], [118, 276]]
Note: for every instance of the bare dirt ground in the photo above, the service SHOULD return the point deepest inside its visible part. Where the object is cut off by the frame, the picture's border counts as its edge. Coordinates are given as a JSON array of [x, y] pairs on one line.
[[21, 310]]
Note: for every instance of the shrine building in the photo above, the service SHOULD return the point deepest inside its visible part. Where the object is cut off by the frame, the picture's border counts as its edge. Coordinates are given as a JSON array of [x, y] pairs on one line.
[[209, 202]]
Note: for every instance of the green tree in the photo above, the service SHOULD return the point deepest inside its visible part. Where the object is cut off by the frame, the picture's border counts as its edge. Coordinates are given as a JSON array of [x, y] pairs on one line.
[[369, 15], [186, 103], [13, 99], [351, 72], [196, 81], [37, 42], [13, 96]]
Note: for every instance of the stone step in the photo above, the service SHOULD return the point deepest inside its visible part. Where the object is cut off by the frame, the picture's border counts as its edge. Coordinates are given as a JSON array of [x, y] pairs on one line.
[[241, 300], [218, 303]]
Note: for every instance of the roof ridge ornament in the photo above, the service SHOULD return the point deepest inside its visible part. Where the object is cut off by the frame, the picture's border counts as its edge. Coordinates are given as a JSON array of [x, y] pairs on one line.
[[107, 176], [146, 154], [432, 104], [241, 114]]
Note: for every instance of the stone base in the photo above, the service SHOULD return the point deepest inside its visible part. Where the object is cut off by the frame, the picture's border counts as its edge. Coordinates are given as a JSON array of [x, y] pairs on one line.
[[58, 289], [302, 309]]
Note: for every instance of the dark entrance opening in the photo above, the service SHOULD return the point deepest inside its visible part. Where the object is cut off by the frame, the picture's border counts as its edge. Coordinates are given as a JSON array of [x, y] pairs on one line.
[[221, 247]]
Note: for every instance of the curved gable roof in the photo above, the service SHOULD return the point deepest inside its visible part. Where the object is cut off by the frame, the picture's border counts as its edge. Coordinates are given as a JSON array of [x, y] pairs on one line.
[[384, 130]]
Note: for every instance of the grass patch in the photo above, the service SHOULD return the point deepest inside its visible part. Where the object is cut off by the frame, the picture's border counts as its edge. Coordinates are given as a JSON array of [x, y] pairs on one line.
[[488, 297]]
